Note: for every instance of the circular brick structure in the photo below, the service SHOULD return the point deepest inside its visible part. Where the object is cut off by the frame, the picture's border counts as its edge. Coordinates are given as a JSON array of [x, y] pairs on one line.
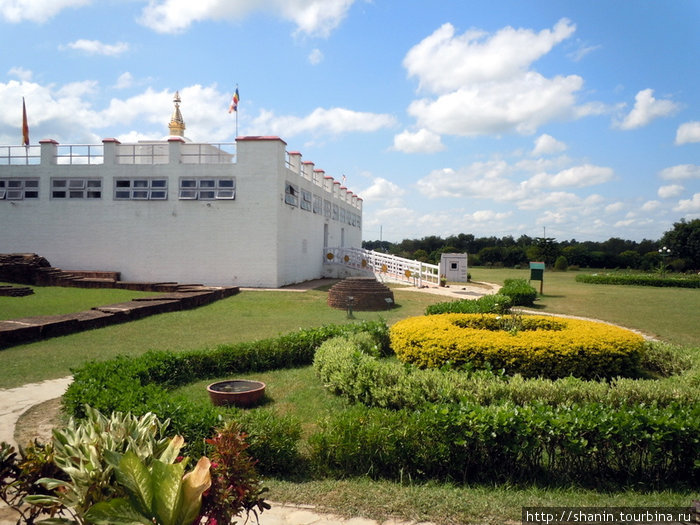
[[367, 294]]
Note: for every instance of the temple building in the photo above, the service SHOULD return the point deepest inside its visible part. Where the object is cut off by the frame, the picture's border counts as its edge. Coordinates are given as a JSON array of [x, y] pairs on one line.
[[244, 214]]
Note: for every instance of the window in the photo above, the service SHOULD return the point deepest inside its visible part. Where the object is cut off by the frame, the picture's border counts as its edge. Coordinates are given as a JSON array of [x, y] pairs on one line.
[[19, 189], [200, 188], [78, 188], [327, 207], [318, 204], [342, 215], [335, 212], [291, 194], [306, 200], [140, 189]]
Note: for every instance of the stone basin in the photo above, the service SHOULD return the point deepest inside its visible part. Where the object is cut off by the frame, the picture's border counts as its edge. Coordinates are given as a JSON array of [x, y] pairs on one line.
[[238, 392]]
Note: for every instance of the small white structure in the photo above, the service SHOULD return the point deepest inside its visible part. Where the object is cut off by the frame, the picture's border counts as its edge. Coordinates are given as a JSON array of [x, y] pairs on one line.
[[454, 267], [243, 214]]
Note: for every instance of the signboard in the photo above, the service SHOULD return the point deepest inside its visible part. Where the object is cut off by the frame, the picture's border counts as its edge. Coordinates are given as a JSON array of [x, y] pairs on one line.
[[537, 273]]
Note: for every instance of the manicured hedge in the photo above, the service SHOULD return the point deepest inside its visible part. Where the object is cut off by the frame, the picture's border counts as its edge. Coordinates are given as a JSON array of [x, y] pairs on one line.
[[519, 291], [488, 304], [348, 370], [141, 384], [587, 444], [532, 346], [691, 281]]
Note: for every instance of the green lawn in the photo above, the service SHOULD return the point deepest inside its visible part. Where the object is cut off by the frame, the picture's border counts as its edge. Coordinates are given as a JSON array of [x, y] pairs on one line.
[[670, 314], [667, 313], [56, 300]]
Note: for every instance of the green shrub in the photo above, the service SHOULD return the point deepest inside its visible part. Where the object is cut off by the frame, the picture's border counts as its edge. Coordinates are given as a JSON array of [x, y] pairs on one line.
[[488, 304], [561, 264], [640, 279], [140, 385], [532, 346], [386, 383], [588, 444], [519, 291]]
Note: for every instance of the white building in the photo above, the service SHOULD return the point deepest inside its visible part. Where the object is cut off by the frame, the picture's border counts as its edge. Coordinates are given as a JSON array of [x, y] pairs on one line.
[[249, 214]]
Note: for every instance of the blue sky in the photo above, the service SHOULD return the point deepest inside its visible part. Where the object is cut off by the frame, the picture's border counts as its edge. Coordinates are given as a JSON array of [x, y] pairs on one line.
[[576, 119]]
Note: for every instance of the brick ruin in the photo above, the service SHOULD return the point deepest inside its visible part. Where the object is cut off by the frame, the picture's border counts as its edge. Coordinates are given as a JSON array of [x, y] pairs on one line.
[[367, 294]]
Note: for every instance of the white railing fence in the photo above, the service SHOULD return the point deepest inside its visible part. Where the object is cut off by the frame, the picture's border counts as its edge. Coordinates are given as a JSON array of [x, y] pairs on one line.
[[385, 267]]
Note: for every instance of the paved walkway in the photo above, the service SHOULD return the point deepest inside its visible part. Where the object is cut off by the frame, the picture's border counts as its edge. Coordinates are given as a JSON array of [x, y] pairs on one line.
[[15, 401]]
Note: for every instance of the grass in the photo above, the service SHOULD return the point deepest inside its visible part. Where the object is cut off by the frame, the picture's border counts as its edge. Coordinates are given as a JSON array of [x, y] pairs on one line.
[[669, 314], [57, 300], [247, 316], [666, 313]]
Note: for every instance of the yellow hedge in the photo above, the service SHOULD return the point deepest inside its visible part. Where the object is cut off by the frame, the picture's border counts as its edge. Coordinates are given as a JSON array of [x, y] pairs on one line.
[[530, 345]]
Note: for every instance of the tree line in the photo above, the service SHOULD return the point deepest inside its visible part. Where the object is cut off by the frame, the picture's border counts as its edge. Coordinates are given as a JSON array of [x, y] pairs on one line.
[[681, 253]]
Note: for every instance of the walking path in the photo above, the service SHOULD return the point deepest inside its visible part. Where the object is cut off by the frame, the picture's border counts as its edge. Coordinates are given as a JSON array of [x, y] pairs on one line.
[[16, 401]]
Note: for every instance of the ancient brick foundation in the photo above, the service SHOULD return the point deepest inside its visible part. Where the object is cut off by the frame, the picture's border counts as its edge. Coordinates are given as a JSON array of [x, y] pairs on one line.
[[367, 294]]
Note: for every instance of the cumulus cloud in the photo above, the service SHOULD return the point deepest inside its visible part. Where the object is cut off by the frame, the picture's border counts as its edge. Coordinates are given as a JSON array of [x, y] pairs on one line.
[[311, 17], [124, 81], [422, 141], [444, 62], [384, 191], [21, 73], [689, 205], [36, 10], [547, 145], [670, 191], [681, 172], [315, 57], [649, 206], [95, 47], [647, 108], [688, 132], [335, 121], [480, 83], [488, 216], [576, 176]]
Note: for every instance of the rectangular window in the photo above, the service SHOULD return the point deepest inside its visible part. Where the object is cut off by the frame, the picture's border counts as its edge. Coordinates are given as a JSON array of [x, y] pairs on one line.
[[197, 188], [318, 204], [76, 188], [141, 189], [327, 207], [291, 194], [19, 189], [306, 202], [335, 212]]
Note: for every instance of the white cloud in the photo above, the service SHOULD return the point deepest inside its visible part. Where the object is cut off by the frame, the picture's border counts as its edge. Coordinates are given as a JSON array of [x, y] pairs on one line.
[[315, 57], [21, 73], [689, 205], [444, 62], [422, 141], [40, 11], [335, 121], [582, 51], [647, 108], [577, 176], [95, 47], [651, 206], [681, 172], [688, 132], [546, 145], [383, 190], [488, 216], [615, 207], [478, 180], [670, 191], [125, 80], [482, 83], [311, 17]]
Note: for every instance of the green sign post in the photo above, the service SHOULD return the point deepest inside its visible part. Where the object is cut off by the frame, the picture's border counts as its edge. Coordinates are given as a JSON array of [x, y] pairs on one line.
[[537, 273]]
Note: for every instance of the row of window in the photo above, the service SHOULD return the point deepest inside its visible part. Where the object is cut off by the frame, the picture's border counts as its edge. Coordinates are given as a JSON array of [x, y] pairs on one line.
[[314, 203], [124, 188]]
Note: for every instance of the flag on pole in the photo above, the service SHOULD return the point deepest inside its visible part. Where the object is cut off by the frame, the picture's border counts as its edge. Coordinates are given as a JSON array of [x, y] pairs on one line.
[[25, 125], [234, 102]]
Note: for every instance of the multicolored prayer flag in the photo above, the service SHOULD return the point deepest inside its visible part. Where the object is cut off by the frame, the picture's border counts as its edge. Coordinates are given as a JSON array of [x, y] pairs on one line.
[[234, 102]]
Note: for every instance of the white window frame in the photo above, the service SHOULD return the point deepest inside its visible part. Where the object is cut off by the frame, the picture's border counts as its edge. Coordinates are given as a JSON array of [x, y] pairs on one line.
[[17, 189], [207, 188], [141, 188], [76, 188]]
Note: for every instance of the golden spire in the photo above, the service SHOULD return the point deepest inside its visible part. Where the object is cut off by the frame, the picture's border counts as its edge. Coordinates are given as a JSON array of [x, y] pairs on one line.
[[177, 125]]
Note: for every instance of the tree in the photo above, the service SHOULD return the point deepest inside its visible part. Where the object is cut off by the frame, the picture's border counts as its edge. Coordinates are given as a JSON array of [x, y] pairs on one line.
[[684, 242]]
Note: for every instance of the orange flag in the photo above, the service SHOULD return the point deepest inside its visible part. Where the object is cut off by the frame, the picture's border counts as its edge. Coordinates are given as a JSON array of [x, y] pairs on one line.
[[25, 126]]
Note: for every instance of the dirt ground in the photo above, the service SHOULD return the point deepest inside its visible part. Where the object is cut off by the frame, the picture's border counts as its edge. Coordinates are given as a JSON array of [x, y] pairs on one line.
[[38, 421]]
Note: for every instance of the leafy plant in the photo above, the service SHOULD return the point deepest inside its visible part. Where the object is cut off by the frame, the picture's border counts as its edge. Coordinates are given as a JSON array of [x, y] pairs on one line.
[[488, 304], [235, 485], [157, 493], [519, 291]]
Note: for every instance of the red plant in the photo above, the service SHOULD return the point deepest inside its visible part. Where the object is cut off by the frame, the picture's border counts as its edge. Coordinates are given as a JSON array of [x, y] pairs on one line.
[[235, 484]]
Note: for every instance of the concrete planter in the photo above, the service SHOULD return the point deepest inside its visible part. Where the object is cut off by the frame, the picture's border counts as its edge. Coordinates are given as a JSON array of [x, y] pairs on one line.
[[238, 392]]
